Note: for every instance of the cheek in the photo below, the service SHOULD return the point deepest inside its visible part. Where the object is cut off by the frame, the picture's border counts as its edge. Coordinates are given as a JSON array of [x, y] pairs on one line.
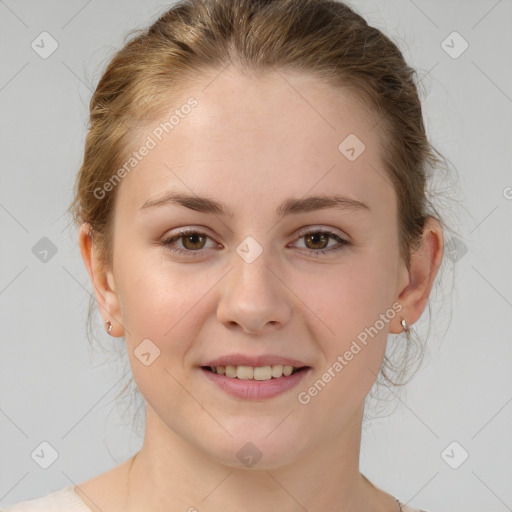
[[162, 305], [351, 297], [352, 336], [161, 300], [353, 305], [351, 325]]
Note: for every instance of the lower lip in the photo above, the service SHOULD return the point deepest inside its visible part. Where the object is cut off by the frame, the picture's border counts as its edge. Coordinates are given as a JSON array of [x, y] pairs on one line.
[[255, 389]]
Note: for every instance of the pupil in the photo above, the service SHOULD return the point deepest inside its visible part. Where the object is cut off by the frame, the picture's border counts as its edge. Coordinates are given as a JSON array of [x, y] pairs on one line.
[[313, 236], [191, 238]]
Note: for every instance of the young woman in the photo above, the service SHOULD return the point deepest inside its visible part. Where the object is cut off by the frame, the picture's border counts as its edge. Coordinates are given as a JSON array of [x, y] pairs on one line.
[[254, 221]]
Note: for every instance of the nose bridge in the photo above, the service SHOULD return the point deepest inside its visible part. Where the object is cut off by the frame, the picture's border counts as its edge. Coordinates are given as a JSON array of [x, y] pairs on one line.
[[252, 268], [253, 297]]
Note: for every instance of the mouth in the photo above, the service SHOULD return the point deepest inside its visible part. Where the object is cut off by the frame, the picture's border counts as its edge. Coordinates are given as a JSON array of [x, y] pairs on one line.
[[259, 373], [255, 383]]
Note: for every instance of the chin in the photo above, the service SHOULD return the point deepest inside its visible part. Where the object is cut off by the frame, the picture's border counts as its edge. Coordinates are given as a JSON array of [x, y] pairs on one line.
[[259, 447]]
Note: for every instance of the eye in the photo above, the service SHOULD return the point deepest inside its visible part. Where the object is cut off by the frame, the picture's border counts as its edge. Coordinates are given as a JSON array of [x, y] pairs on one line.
[[193, 242], [317, 241]]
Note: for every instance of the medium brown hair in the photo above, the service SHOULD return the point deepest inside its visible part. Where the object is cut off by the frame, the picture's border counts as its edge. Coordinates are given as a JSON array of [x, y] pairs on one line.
[[323, 38]]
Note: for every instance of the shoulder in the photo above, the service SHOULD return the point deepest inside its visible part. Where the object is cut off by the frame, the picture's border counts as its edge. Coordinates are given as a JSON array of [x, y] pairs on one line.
[[63, 500]]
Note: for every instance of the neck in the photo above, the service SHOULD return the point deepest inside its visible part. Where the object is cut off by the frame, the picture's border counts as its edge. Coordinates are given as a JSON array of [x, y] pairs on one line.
[[169, 474]]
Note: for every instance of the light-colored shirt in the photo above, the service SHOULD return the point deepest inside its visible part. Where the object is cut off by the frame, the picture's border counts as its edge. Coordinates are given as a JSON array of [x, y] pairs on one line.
[[63, 500], [67, 500]]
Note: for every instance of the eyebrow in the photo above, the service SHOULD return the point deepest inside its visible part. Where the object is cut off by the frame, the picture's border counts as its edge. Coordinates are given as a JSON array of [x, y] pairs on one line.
[[288, 207]]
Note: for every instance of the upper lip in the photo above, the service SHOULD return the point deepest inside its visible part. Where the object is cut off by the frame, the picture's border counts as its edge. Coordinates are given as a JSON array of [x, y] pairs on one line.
[[262, 360]]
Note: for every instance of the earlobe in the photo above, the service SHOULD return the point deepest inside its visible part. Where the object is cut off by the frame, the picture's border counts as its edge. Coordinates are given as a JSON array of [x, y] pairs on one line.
[[425, 263], [103, 282]]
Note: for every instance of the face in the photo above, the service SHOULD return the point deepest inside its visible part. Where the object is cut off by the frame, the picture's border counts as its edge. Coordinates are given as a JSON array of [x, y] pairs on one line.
[[266, 275]]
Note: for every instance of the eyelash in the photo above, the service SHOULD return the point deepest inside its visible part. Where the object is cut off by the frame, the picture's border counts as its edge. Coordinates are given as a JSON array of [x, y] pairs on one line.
[[190, 253]]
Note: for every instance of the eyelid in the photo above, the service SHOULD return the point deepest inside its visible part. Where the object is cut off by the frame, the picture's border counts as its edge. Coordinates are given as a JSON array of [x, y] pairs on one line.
[[322, 229]]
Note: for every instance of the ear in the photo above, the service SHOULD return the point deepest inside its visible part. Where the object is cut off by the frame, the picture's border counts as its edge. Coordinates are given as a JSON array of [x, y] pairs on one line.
[[425, 262], [102, 280]]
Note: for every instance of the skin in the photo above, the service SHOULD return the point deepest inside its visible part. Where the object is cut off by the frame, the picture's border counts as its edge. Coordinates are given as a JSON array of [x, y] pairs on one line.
[[251, 143]]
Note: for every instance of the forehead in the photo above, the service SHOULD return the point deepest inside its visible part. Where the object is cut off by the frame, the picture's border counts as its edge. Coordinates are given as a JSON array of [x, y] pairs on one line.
[[261, 137]]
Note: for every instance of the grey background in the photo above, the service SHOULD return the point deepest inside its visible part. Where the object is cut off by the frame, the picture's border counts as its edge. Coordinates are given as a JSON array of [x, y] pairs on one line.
[[54, 388]]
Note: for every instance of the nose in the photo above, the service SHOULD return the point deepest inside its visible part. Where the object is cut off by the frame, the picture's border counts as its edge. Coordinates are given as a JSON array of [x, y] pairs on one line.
[[254, 297]]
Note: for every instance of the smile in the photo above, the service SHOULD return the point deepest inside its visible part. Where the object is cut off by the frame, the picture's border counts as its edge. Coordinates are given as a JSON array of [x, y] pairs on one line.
[[254, 372], [255, 383]]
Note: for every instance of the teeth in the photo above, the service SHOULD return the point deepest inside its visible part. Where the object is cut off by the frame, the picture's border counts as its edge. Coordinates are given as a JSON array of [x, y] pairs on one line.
[[287, 370], [263, 373], [254, 373], [277, 370], [230, 371], [244, 372]]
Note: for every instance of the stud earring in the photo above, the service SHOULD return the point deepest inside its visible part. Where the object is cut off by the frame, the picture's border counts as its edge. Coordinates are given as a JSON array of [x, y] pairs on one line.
[[108, 326], [405, 326]]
